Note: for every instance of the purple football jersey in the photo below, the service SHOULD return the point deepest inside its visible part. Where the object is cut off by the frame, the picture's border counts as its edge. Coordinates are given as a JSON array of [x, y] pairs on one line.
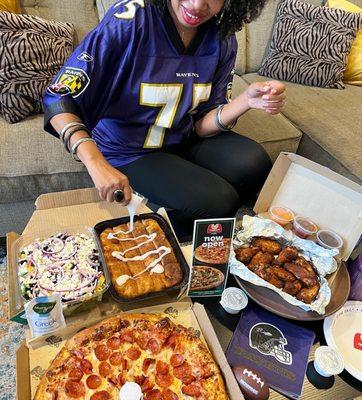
[[135, 86]]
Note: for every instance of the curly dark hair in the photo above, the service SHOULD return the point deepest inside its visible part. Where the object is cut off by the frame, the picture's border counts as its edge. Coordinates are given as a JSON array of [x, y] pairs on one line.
[[233, 16]]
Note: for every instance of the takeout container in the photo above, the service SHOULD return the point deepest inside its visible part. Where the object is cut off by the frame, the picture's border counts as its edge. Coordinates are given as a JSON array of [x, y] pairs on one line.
[[172, 291], [31, 362], [71, 306]]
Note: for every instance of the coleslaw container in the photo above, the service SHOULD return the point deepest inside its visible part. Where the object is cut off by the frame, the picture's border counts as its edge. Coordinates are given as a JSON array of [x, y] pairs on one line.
[[87, 298]]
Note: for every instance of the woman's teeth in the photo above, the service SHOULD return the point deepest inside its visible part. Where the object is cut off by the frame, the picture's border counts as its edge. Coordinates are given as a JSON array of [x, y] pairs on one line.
[[190, 15]]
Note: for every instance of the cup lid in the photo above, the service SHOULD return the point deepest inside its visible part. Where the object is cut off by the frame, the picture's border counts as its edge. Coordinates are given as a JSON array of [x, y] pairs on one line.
[[234, 298], [327, 361]]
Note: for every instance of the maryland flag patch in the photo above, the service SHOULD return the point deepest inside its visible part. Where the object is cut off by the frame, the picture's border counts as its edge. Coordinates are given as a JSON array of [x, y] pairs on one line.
[[75, 79]]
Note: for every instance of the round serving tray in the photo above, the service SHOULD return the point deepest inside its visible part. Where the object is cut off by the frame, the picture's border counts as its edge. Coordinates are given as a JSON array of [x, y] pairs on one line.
[[339, 283]]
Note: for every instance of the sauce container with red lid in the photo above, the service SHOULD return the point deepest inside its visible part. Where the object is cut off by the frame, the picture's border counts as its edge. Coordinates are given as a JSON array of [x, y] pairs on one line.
[[329, 239], [304, 227], [281, 215]]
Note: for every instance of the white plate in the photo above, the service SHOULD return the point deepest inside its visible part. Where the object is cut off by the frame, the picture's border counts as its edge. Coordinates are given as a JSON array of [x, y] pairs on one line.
[[341, 330]]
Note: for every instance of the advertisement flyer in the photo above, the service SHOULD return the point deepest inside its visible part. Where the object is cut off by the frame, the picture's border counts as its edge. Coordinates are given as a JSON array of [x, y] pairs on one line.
[[211, 246]]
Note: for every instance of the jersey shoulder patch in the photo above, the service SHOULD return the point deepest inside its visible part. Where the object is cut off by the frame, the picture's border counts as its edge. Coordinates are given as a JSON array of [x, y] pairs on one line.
[[126, 9]]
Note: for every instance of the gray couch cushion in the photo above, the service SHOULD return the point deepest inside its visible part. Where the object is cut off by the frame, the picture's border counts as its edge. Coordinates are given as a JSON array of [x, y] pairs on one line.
[[81, 13], [332, 118], [274, 132]]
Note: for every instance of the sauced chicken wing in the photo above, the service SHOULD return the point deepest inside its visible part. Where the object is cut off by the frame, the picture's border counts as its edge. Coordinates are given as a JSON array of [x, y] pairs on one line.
[[309, 278], [274, 280], [261, 270], [267, 245], [261, 258], [307, 295], [283, 274], [245, 254], [292, 288], [288, 254], [305, 264]]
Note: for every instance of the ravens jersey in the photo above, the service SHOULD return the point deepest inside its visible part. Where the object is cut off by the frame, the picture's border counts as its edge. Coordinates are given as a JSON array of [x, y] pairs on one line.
[[135, 85]]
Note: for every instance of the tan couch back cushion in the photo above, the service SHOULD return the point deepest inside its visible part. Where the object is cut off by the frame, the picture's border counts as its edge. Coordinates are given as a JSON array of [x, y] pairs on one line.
[[80, 13]]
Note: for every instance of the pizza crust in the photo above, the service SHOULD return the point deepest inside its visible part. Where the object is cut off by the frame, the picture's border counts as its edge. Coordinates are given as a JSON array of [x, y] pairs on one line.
[[217, 274]]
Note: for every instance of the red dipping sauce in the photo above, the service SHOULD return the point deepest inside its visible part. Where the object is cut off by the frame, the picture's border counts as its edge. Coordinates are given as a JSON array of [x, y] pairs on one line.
[[304, 227]]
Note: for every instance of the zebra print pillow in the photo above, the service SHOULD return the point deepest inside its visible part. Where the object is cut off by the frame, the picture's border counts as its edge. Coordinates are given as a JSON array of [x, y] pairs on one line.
[[32, 50], [310, 44]]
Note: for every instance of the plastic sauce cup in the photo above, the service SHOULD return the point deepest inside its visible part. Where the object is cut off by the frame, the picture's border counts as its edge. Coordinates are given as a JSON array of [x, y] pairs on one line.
[[329, 239], [304, 227], [281, 215], [328, 361], [233, 300]]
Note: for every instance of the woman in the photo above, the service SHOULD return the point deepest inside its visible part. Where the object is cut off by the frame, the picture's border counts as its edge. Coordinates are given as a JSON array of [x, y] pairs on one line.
[[149, 85]]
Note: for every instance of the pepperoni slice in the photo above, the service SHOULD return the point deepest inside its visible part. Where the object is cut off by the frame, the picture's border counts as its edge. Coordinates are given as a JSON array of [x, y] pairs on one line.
[[176, 360], [154, 394], [147, 385], [162, 367], [182, 370], [146, 364], [140, 379], [102, 352], [93, 381], [142, 342], [133, 353], [153, 346], [114, 342], [172, 341], [168, 394], [121, 379], [104, 369], [187, 379], [127, 336], [74, 389], [116, 358], [191, 390], [164, 380], [75, 374], [113, 380], [102, 395], [73, 362], [86, 366]]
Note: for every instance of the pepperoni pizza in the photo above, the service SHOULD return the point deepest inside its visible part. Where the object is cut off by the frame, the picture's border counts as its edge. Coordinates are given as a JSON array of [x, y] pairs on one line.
[[217, 253], [168, 361]]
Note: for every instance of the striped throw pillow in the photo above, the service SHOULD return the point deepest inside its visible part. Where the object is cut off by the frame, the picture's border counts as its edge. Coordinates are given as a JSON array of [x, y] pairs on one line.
[[32, 50], [310, 44]]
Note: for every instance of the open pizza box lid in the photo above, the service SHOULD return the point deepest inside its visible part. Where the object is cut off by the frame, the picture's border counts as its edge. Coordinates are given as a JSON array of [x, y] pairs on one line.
[[311, 190], [32, 363]]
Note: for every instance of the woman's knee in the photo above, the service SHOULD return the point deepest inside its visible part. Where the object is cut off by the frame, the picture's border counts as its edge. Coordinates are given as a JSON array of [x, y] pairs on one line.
[[215, 201]]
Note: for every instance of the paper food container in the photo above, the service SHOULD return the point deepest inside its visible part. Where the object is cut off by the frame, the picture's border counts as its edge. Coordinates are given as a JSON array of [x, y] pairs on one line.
[[33, 362], [55, 212], [310, 190]]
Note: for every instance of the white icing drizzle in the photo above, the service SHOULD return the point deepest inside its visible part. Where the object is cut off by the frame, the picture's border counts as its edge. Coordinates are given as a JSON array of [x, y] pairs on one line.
[[157, 269], [148, 237]]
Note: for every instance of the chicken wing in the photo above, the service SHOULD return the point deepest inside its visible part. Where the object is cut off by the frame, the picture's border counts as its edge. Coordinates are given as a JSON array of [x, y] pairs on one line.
[[309, 278], [261, 270], [261, 258], [274, 280], [292, 288], [267, 245], [305, 264], [282, 274], [245, 254], [307, 295], [288, 254]]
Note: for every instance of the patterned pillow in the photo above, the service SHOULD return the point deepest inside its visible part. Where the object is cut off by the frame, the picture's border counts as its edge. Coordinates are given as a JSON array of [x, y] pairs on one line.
[[32, 51], [310, 44]]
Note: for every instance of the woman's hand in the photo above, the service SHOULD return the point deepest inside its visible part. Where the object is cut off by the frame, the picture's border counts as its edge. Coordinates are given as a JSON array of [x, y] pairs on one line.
[[107, 179], [268, 96]]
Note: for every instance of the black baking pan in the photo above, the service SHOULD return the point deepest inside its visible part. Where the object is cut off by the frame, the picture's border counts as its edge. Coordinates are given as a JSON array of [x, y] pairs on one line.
[[172, 291]]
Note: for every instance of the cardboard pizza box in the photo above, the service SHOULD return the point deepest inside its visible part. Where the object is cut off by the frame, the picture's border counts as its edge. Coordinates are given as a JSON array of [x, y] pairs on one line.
[[309, 189], [32, 362]]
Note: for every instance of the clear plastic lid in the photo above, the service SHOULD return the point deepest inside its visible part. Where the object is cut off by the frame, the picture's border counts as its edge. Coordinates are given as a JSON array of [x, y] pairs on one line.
[[305, 225], [329, 239], [23, 264], [327, 361], [282, 215]]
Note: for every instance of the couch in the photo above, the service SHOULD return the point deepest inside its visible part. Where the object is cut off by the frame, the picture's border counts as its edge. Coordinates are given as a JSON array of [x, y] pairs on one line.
[[324, 125]]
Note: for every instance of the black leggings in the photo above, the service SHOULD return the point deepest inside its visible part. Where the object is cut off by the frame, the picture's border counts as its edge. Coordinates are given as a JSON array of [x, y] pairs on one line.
[[202, 178]]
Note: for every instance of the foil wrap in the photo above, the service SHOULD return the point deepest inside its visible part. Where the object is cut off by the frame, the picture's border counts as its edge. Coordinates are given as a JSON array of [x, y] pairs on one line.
[[321, 258]]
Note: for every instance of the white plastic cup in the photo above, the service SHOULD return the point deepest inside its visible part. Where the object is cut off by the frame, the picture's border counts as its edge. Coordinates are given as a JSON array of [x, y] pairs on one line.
[[327, 361], [233, 300]]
